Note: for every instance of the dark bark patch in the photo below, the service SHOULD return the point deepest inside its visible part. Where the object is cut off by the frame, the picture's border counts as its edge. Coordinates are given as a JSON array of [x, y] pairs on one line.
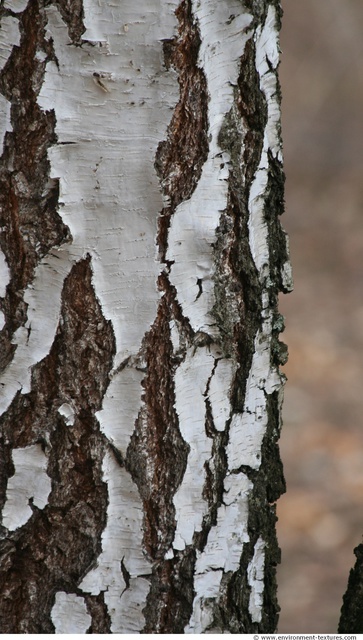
[[6, 468], [180, 158], [156, 440], [97, 608], [170, 601], [237, 288], [271, 467], [59, 544], [351, 618], [252, 106], [28, 198], [274, 208], [75, 371], [73, 14], [157, 458]]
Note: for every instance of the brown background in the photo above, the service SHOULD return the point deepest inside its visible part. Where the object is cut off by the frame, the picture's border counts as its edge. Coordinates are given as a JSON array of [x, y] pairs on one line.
[[321, 516]]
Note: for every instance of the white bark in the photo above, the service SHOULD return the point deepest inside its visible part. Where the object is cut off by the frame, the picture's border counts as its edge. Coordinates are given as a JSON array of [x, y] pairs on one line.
[[78, 622], [29, 482]]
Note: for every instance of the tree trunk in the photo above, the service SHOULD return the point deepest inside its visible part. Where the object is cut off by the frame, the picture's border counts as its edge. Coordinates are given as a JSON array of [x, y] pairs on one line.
[[351, 617], [141, 261]]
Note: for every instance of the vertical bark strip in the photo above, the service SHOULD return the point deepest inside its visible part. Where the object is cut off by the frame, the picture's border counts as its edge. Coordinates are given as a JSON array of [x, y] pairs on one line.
[[141, 258]]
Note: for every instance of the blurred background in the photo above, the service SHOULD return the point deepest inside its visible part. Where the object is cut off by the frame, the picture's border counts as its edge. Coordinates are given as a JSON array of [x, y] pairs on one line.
[[321, 516]]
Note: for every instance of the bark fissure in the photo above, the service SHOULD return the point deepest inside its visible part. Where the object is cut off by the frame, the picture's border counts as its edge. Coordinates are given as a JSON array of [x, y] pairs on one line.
[[181, 155], [157, 438]]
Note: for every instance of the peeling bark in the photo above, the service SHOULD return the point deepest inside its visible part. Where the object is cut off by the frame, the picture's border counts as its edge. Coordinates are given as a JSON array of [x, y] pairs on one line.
[[30, 222], [58, 544], [141, 257]]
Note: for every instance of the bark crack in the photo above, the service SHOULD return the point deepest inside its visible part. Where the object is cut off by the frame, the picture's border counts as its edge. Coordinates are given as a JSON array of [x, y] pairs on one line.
[[180, 158]]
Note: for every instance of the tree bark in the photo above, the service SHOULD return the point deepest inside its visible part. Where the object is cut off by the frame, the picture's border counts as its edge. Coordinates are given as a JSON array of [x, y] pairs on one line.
[[141, 261], [351, 616]]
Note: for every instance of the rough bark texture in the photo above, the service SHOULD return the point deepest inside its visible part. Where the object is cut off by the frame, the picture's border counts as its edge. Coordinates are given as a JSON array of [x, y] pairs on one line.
[[139, 460], [351, 618]]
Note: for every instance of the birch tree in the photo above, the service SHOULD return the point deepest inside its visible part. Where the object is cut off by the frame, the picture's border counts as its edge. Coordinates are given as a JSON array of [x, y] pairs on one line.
[[141, 261]]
